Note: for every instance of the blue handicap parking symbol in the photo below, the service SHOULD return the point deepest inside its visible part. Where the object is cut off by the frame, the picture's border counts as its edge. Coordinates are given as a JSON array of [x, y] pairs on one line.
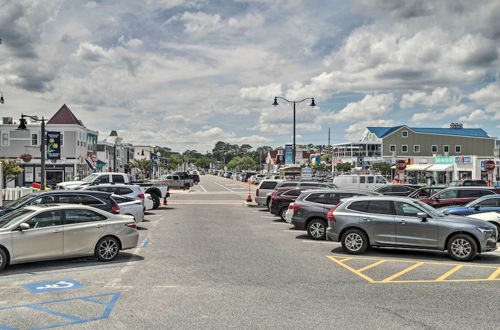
[[50, 286]]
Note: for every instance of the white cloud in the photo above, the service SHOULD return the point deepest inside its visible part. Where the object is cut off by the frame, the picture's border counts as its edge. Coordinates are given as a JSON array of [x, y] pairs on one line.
[[195, 22], [92, 53], [490, 93], [261, 93], [439, 97], [437, 115], [370, 107], [475, 115], [354, 131]]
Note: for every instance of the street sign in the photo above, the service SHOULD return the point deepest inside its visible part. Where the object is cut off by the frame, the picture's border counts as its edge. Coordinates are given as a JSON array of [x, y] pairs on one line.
[[401, 165], [490, 165], [306, 173]]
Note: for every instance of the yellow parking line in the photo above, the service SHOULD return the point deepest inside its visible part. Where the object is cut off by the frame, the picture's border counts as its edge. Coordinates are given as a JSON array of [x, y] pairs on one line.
[[448, 273], [404, 271], [369, 279], [371, 265], [494, 275], [344, 260]]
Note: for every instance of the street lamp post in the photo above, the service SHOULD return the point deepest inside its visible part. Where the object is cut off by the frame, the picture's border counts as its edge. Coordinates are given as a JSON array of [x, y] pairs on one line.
[[22, 126], [275, 103]]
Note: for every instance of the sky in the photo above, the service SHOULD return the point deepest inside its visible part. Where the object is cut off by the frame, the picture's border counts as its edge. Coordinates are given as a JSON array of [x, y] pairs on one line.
[[188, 73]]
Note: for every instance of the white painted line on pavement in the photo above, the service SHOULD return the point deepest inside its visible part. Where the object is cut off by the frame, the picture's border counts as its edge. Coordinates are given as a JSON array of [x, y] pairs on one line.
[[222, 186], [321, 242], [202, 187]]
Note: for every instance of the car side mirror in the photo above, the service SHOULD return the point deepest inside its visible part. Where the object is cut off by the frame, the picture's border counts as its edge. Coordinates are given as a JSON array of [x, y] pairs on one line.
[[24, 226], [477, 207], [422, 216]]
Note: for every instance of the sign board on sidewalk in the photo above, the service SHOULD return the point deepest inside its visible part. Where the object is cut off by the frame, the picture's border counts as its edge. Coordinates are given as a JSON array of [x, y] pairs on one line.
[[306, 173], [401, 165], [490, 165]]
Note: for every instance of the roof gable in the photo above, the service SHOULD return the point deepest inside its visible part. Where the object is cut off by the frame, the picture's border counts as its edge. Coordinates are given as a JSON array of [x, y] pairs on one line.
[[64, 116]]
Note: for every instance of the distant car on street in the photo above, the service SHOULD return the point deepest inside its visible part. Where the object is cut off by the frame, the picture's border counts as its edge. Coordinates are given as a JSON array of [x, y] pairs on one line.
[[46, 232], [489, 203], [361, 222]]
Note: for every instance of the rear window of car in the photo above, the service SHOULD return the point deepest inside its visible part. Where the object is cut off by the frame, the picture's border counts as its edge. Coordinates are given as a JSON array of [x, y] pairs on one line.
[[293, 192], [118, 178], [473, 193], [268, 185], [380, 207], [287, 184], [360, 206], [320, 198]]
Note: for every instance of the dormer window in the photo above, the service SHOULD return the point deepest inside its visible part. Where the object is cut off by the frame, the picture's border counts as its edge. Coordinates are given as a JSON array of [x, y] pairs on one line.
[[404, 134]]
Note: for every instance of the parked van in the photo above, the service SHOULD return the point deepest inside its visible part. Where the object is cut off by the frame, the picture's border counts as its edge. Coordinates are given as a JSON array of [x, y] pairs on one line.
[[360, 181]]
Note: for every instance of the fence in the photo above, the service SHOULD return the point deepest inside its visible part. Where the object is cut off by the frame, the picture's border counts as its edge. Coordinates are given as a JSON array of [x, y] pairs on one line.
[[10, 194]]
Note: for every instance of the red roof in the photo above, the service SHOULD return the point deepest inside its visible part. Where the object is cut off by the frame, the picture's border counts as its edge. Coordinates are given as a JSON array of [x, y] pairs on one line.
[[64, 116]]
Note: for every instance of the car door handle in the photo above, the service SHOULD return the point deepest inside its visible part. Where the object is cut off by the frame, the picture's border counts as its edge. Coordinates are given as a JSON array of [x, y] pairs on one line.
[[366, 219], [99, 226], [403, 222], [56, 231]]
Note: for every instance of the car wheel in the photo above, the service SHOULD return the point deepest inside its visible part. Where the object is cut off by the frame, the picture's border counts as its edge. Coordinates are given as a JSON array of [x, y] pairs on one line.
[[462, 247], [316, 229], [156, 202], [498, 230], [107, 248], [3, 259], [354, 241], [267, 204], [283, 213]]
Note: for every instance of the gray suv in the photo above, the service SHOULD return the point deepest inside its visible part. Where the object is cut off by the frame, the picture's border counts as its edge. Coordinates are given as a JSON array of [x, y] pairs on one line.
[[361, 222], [309, 211]]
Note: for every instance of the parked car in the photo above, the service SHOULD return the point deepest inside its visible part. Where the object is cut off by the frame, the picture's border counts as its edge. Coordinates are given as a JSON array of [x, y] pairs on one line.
[[187, 180], [97, 199], [359, 181], [489, 203], [36, 233], [468, 183], [282, 198], [361, 222], [309, 210], [228, 175], [127, 190], [491, 217], [195, 178], [130, 206], [263, 192], [148, 202], [458, 195], [397, 189], [425, 192], [246, 176]]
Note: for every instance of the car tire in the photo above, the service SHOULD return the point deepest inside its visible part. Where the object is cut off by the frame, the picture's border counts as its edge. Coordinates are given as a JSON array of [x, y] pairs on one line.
[[156, 202], [354, 241], [107, 249], [283, 213], [316, 229], [267, 204], [3, 259], [498, 230], [462, 247]]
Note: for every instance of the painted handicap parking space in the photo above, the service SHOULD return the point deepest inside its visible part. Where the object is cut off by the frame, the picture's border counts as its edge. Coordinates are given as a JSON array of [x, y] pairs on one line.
[[49, 286], [57, 313], [384, 270]]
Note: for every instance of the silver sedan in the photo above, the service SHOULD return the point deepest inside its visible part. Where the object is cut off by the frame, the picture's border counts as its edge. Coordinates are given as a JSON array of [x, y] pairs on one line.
[[50, 231]]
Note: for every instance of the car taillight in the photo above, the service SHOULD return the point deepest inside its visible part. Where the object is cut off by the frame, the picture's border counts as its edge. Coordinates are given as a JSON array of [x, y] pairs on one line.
[[131, 225], [293, 207], [329, 215], [273, 193], [141, 196], [274, 198], [257, 192], [115, 209]]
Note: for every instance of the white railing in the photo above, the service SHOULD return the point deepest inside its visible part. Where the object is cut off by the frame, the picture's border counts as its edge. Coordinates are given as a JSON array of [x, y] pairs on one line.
[[11, 194]]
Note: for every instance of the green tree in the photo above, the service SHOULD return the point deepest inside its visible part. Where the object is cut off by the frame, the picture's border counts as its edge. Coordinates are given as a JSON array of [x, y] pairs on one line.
[[144, 165], [203, 162], [10, 170], [242, 163], [343, 167], [382, 167]]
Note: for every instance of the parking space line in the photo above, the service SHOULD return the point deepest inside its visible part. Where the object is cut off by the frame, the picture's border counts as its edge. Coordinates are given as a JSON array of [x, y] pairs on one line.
[[341, 263], [404, 271], [495, 274], [202, 187], [222, 186], [449, 273], [9, 277], [369, 266]]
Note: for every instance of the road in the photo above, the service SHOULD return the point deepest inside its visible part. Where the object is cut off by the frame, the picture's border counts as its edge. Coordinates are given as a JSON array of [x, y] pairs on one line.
[[207, 261]]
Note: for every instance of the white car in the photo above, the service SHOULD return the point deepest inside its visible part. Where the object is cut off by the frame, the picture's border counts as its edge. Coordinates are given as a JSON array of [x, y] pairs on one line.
[[130, 206], [492, 217], [148, 202]]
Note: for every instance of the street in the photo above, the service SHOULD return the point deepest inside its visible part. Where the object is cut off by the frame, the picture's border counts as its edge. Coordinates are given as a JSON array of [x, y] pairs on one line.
[[209, 261]]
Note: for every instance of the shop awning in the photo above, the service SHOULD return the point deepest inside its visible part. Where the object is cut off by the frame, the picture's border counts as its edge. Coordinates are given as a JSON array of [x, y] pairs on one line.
[[417, 167], [440, 168]]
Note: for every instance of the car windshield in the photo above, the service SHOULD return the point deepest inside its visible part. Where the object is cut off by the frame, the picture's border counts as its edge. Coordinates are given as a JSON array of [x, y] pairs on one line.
[[12, 217], [429, 209], [17, 202], [90, 178]]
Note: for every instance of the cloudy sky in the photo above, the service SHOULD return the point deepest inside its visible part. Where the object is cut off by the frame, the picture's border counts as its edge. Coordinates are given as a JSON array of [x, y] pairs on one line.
[[187, 73]]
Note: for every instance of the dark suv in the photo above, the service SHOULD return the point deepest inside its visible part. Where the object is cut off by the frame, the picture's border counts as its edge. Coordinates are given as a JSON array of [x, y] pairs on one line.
[[458, 195], [100, 200], [282, 198], [309, 211], [397, 189], [468, 183]]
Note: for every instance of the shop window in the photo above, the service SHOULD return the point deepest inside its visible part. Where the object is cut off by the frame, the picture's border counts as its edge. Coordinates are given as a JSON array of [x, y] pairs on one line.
[[458, 149], [434, 149], [446, 149], [416, 148], [392, 147], [404, 148], [34, 139], [5, 139]]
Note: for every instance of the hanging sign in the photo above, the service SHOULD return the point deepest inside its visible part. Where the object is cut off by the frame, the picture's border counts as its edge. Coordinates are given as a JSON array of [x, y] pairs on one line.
[[53, 145]]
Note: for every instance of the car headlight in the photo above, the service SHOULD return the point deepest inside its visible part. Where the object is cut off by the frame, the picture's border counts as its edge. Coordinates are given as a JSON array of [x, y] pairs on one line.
[[485, 230]]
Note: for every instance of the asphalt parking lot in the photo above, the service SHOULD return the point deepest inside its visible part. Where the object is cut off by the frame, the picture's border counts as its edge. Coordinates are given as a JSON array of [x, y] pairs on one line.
[[208, 261]]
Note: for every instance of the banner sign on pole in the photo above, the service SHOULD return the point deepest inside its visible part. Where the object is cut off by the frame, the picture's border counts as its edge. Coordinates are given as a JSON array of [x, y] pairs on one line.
[[288, 154], [53, 145]]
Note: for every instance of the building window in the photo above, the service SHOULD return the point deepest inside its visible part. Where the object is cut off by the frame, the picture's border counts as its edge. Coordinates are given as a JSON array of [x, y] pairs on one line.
[[404, 148], [392, 147], [34, 139], [416, 148], [404, 134], [434, 149], [61, 142], [458, 149], [446, 149], [5, 139]]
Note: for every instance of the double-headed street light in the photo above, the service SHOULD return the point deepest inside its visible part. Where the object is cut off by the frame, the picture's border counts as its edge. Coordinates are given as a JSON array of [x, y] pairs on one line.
[[22, 126], [275, 103]]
